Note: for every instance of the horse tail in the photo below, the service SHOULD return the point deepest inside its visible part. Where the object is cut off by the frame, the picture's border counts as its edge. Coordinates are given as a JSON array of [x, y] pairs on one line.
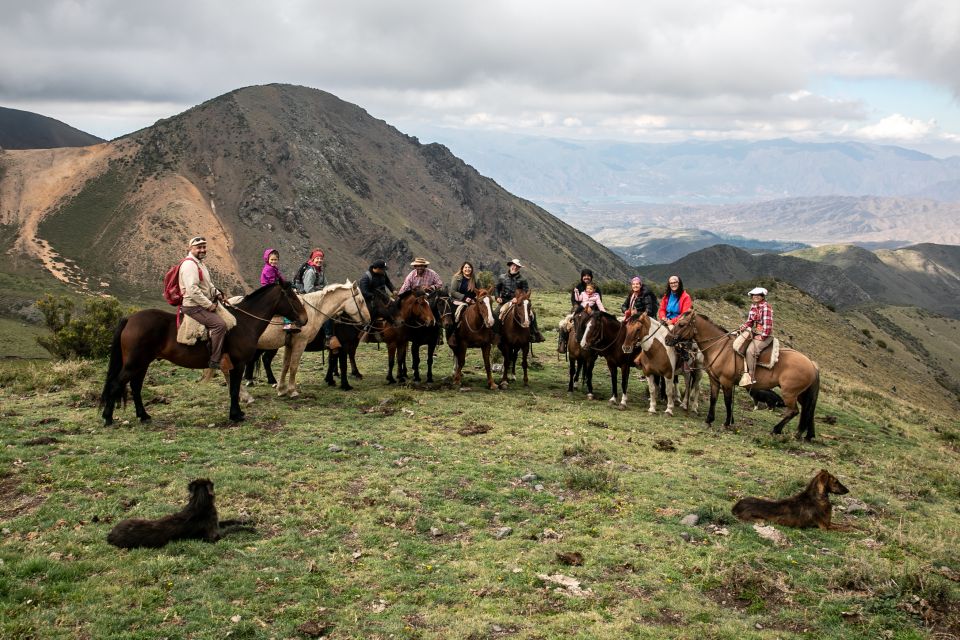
[[808, 404], [111, 390]]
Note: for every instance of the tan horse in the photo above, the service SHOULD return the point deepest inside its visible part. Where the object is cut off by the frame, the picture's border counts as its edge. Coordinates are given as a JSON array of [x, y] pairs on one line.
[[797, 375], [320, 305], [475, 329], [659, 359]]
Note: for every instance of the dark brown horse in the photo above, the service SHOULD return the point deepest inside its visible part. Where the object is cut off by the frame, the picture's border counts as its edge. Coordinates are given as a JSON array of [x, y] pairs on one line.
[[151, 334], [349, 334], [411, 310], [515, 337], [797, 375], [582, 360], [475, 330], [442, 308], [605, 335]]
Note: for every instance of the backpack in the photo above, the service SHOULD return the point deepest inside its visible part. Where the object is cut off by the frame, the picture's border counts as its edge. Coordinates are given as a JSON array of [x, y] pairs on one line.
[[171, 284], [298, 279]]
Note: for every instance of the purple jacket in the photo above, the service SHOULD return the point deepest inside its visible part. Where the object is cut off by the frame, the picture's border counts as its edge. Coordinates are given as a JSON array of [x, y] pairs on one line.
[[270, 274]]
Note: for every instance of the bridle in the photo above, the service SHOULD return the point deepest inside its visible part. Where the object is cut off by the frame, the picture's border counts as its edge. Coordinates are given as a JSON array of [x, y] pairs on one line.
[[466, 320], [708, 344], [612, 342]]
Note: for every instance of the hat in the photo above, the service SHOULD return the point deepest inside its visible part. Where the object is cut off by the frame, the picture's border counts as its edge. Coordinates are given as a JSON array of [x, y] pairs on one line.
[[197, 240], [419, 262], [378, 264], [758, 291], [516, 262], [636, 279]]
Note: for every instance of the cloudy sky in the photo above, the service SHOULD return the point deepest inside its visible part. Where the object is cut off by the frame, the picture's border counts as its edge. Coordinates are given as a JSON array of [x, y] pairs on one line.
[[885, 71]]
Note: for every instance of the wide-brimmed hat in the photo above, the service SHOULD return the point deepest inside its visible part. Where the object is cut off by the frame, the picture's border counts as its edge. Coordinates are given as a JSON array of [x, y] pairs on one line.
[[758, 291], [194, 241], [516, 262], [419, 262]]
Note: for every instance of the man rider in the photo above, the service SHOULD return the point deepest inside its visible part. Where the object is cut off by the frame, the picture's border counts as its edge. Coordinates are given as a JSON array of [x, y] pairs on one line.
[[200, 297], [375, 284], [507, 286], [421, 277]]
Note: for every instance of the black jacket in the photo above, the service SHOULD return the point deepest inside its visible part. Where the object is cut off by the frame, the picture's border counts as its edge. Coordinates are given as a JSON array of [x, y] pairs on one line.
[[371, 284], [646, 301], [508, 284]]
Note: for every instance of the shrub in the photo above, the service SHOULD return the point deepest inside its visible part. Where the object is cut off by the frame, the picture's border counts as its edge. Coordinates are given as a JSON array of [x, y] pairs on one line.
[[882, 344], [866, 332], [614, 286], [79, 335], [485, 280]]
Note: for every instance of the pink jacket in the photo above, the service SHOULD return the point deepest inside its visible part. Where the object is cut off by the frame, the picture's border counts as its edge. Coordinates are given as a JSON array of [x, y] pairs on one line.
[[589, 300], [269, 274]]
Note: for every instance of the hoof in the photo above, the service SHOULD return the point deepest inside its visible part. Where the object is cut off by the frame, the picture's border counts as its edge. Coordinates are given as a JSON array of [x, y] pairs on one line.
[[240, 417], [358, 376], [145, 418], [107, 422], [294, 394], [652, 410], [669, 412], [347, 387], [391, 381], [503, 385], [248, 383], [589, 396], [621, 407], [612, 401]]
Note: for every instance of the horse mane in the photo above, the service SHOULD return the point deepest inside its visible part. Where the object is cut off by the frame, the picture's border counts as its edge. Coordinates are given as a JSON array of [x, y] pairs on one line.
[[406, 294], [606, 314], [256, 294], [707, 318]]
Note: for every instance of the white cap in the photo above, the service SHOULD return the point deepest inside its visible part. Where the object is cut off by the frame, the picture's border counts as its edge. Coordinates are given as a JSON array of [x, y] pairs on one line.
[[516, 262], [758, 291]]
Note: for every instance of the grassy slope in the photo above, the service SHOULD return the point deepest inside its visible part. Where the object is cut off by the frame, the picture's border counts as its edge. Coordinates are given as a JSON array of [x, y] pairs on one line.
[[345, 536]]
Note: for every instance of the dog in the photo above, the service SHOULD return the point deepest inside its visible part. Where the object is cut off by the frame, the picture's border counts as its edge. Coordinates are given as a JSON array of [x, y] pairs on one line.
[[767, 396], [197, 520], [809, 508]]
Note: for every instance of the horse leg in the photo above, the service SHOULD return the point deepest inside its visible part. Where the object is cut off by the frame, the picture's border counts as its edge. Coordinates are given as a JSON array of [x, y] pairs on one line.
[[485, 350], [652, 386], [341, 359], [573, 368], [460, 356], [402, 362], [236, 377], [728, 405], [505, 352], [267, 361], [671, 395], [613, 383], [714, 391], [282, 382], [355, 372], [415, 360], [331, 370], [624, 382], [431, 348], [136, 386], [526, 351], [588, 377], [250, 368], [692, 392], [295, 357], [789, 411]]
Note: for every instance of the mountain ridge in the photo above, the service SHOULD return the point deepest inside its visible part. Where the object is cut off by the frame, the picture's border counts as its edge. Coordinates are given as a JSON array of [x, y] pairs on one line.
[[27, 130]]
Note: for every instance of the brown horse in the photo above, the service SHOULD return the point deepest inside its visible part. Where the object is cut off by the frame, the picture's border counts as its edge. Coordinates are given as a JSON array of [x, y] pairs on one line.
[[515, 337], [442, 308], [583, 360], [475, 329], [349, 334], [151, 334], [659, 359], [797, 375], [411, 310], [605, 335]]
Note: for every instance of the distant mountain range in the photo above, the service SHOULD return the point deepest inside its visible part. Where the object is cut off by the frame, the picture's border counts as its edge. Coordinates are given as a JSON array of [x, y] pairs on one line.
[[272, 166], [26, 130], [655, 245], [844, 276]]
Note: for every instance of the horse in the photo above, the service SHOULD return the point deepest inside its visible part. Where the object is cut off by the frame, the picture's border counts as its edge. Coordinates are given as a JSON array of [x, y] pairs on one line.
[[515, 337], [320, 305], [581, 360], [605, 335], [797, 375], [442, 307], [658, 359], [475, 329], [151, 334], [349, 335], [411, 310]]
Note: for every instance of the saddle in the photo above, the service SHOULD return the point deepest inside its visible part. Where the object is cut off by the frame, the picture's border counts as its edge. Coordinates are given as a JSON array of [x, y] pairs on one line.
[[504, 309], [767, 358], [191, 332]]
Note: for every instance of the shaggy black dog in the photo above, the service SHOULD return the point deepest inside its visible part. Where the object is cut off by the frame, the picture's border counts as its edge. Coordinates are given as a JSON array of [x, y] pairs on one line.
[[809, 508], [197, 520], [767, 396]]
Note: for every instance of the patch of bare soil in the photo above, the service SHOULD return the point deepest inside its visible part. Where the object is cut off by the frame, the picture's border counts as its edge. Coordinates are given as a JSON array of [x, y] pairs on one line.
[[13, 503]]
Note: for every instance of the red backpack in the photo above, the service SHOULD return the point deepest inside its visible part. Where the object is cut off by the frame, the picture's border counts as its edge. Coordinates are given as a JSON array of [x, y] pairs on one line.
[[171, 284]]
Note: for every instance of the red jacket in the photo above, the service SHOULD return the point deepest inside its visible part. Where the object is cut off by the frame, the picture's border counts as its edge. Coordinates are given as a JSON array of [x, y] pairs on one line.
[[686, 304]]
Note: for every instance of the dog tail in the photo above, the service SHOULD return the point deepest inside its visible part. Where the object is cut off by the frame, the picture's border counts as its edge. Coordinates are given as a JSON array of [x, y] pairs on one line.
[[808, 406]]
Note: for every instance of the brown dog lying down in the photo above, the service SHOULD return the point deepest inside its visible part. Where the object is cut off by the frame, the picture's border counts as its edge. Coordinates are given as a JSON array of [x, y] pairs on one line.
[[197, 520], [809, 508]]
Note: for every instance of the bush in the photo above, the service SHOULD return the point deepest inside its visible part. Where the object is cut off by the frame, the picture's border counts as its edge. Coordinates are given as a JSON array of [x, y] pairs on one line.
[[88, 335], [613, 286], [882, 344], [485, 280]]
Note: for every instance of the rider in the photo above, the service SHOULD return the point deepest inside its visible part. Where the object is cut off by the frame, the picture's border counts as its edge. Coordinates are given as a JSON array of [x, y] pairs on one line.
[[463, 290], [507, 286], [639, 299], [675, 303], [590, 298], [586, 277], [760, 323], [269, 275], [376, 283], [420, 277], [200, 297], [312, 277]]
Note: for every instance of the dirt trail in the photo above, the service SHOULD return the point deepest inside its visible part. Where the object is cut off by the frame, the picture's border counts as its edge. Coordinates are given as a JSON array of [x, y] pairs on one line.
[[34, 182]]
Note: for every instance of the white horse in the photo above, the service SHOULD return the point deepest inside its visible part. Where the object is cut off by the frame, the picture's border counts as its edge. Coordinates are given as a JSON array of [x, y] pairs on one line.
[[320, 305], [657, 358]]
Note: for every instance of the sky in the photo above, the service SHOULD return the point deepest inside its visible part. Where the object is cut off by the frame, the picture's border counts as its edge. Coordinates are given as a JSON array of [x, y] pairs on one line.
[[878, 71]]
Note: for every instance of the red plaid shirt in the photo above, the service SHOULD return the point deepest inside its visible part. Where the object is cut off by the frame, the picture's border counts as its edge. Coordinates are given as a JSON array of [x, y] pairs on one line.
[[761, 319]]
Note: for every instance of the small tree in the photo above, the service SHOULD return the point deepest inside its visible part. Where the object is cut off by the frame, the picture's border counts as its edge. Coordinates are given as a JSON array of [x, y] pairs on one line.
[[85, 335], [485, 280]]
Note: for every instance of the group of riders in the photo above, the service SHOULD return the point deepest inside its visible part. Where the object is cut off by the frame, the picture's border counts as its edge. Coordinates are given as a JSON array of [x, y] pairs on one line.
[[201, 297]]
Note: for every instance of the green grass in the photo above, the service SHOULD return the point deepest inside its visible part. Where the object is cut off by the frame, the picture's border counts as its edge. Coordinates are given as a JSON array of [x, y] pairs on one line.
[[394, 534]]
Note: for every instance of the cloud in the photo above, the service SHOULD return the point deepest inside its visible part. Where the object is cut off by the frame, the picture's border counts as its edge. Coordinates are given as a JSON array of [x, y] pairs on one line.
[[662, 68]]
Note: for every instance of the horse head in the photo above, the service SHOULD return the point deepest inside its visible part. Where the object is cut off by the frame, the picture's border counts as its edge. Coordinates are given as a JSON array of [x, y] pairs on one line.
[[415, 309], [635, 332], [521, 302], [289, 304], [360, 306], [442, 306], [484, 307], [684, 329]]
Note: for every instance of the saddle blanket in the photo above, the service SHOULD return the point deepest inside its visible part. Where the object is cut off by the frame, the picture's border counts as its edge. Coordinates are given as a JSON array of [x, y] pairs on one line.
[[190, 331], [504, 309], [768, 357]]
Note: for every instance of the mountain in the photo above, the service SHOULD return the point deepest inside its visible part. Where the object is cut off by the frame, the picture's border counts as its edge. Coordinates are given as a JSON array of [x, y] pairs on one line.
[[655, 245], [26, 130], [843, 276], [722, 264], [549, 170], [274, 166]]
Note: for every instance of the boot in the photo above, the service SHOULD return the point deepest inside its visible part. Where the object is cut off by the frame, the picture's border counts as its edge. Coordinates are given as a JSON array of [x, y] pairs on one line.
[[745, 379], [535, 335], [333, 343], [562, 342]]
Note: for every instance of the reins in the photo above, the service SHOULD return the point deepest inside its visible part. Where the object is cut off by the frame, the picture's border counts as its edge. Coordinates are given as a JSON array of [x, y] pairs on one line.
[[612, 342]]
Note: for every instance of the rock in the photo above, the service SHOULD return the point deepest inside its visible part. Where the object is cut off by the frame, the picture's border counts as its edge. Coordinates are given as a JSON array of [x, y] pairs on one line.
[[572, 558], [772, 534], [857, 506], [690, 520], [502, 532], [686, 537], [530, 477], [334, 448], [436, 532], [538, 487]]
